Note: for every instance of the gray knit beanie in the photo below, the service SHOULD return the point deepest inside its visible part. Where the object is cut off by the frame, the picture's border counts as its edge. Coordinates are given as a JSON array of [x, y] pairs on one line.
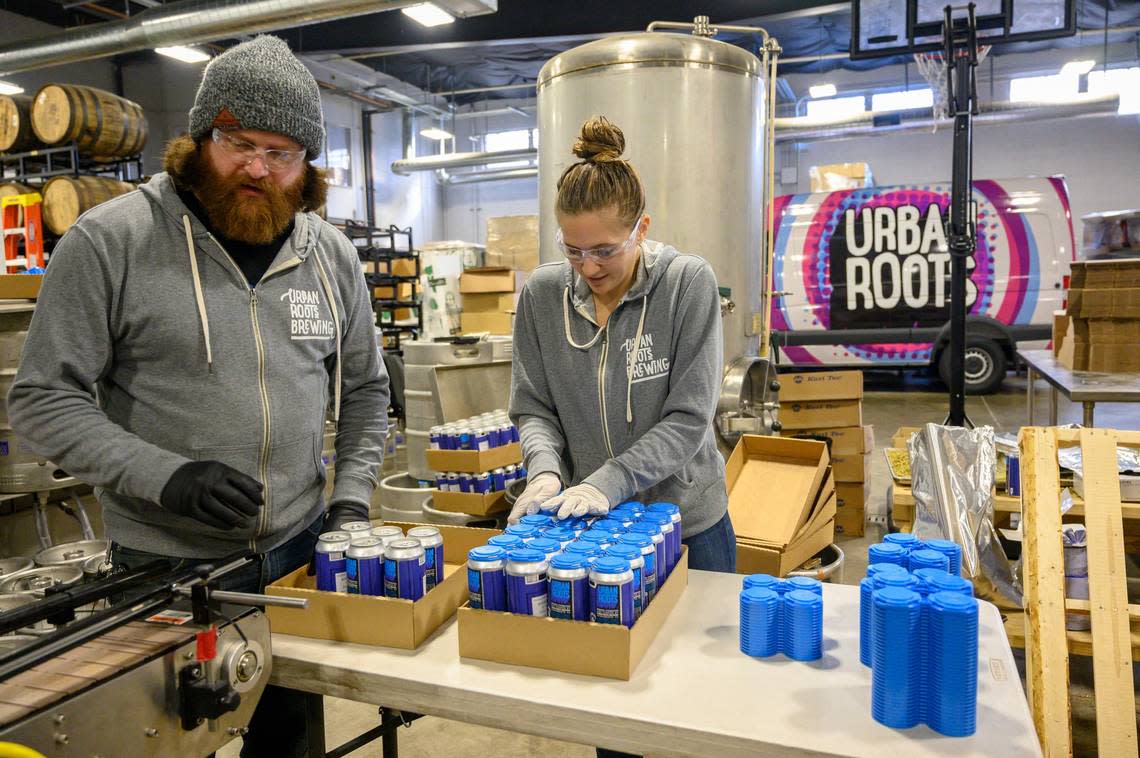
[[260, 84]]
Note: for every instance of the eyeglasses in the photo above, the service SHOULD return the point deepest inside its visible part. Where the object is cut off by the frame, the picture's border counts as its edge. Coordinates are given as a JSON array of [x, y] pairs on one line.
[[601, 253], [245, 153]]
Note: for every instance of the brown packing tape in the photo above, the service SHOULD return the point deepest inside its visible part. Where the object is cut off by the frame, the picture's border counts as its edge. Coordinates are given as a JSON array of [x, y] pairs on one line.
[[369, 620], [772, 485], [573, 647]]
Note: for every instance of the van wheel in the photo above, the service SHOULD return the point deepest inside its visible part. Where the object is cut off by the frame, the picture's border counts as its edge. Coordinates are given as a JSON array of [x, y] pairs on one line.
[[985, 366]]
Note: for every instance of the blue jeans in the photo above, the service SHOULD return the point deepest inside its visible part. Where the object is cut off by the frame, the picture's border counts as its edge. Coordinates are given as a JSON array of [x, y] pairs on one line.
[[714, 549], [278, 728]]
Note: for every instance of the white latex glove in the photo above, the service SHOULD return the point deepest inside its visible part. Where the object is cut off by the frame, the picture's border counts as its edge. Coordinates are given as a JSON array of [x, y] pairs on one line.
[[538, 490], [580, 500]]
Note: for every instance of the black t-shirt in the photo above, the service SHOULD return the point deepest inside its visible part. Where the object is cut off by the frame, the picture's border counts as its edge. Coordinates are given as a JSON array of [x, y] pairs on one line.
[[253, 260]]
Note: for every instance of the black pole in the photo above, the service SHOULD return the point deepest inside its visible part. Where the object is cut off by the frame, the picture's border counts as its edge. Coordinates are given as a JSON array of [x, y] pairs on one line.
[[366, 144], [962, 57]]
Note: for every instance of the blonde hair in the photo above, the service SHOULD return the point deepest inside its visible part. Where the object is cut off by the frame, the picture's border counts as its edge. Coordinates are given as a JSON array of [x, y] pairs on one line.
[[601, 179]]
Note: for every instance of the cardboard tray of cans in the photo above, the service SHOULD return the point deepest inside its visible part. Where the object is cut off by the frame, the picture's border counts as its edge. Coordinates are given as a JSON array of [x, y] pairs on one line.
[[474, 461], [574, 647], [472, 503], [371, 620]]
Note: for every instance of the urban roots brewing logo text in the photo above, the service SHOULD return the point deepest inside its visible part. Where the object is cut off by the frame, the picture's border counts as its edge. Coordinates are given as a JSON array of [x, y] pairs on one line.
[[891, 265], [305, 317], [641, 362]]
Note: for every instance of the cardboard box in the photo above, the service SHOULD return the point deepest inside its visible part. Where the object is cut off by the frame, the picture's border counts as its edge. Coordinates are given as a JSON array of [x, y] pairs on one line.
[[820, 414], [512, 242], [395, 267], [494, 302], [852, 495], [1123, 302], [840, 176], [756, 559], [493, 323], [821, 385], [1129, 487], [368, 620], [1060, 327], [849, 522], [902, 435], [852, 468], [476, 280], [402, 291], [773, 486], [575, 647], [20, 286], [1112, 358], [851, 440], [470, 502], [1105, 274], [474, 461]]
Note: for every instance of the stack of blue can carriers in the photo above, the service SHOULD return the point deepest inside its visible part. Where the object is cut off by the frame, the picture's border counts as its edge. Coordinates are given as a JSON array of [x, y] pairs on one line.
[[918, 631], [781, 616], [361, 559], [606, 570]]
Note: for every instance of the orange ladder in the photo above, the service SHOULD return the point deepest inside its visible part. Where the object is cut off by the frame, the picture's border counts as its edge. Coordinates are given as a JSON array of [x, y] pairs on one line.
[[21, 221]]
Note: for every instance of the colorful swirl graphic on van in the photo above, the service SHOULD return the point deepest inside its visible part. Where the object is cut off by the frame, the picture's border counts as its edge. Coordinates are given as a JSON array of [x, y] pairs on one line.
[[877, 258]]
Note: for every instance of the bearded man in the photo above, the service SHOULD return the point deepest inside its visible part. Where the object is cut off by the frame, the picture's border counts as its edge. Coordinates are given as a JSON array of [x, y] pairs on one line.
[[191, 338]]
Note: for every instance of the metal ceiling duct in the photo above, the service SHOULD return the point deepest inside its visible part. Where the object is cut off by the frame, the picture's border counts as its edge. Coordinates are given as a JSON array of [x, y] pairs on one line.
[[459, 160], [182, 23], [477, 177]]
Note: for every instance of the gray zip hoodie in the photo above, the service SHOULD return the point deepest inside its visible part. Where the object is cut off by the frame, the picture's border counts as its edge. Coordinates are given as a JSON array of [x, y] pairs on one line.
[[630, 421], [149, 349]]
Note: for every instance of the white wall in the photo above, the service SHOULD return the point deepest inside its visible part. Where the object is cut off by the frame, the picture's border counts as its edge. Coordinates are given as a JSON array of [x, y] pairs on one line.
[[416, 200]]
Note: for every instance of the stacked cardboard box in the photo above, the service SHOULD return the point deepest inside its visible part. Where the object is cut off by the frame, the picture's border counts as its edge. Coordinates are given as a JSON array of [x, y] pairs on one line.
[[512, 242], [828, 405], [781, 496], [488, 297], [1101, 327]]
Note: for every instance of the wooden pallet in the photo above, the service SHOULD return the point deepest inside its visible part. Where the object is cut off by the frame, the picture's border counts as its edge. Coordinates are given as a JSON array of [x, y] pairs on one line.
[[1047, 645]]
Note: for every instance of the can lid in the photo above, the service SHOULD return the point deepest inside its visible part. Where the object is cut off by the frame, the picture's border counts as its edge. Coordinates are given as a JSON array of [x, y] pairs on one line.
[[366, 547], [887, 549], [943, 546], [803, 598], [568, 561], [624, 550], [953, 602], [927, 555], [657, 517], [804, 583], [386, 530], [590, 535], [526, 555], [928, 574], [759, 595], [522, 530], [356, 526], [486, 553], [663, 508], [546, 545], [645, 527], [536, 519], [951, 583], [337, 536], [636, 538], [892, 579], [505, 540], [423, 531], [899, 597], [404, 544], [559, 533], [884, 568], [760, 581], [581, 548], [611, 564], [901, 538], [629, 505]]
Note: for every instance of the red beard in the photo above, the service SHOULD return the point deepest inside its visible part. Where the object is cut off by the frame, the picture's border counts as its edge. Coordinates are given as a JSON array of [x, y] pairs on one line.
[[253, 219]]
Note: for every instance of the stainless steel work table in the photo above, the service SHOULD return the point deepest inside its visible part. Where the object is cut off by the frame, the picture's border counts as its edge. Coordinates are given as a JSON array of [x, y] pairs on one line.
[[694, 694], [1085, 387]]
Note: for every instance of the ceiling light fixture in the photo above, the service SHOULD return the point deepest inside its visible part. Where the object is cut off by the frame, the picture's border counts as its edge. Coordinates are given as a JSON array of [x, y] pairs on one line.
[[184, 54], [822, 90], [428, 14], [1077, 68], [436, 134], [8, 88]]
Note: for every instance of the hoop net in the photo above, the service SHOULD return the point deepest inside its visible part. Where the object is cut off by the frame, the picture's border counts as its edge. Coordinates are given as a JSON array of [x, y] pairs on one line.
[[932, 67]]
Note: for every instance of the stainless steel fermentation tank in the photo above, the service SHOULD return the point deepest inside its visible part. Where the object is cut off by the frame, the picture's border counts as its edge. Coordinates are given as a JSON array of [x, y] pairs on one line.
[[694, 112]]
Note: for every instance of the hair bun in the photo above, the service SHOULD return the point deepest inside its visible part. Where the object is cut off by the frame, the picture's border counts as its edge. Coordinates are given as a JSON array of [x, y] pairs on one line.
[[600, 141]]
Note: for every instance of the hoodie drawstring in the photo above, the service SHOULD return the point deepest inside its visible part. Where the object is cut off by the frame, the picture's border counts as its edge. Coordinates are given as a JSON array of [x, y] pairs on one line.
[[336, 324], [631, 358], [203, 319]]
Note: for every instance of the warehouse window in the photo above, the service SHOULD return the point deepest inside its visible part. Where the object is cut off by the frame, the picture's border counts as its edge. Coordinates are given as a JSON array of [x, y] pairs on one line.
[[837, 107], [514, 139], [1043, 89], [1121, 81], [902, 100]]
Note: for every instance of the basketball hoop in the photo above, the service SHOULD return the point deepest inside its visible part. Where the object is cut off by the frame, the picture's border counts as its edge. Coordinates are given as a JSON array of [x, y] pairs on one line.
[[932, 67]]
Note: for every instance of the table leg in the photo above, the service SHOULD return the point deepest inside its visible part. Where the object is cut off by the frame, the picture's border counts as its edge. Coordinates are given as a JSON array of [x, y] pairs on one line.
[[1030, 378], [1088, 419], [315, 717], [1052, 405]]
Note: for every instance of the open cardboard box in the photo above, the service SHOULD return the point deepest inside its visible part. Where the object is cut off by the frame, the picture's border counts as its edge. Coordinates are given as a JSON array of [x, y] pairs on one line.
[[756, 557], [471, 503], [20, 286], [575, 647], [474, 461], [370, 620]]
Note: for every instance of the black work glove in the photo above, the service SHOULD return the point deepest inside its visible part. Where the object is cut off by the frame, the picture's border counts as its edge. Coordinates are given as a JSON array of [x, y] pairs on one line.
[[213, 493], [341, 513]]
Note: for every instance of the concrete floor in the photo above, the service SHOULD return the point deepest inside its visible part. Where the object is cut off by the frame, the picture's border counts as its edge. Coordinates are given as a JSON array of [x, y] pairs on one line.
[[890, 402]]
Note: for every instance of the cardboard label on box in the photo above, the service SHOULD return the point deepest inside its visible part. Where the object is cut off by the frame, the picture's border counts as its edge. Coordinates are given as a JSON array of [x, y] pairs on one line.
[[820, 414], [851, 440], [476, 280], [821, 385]]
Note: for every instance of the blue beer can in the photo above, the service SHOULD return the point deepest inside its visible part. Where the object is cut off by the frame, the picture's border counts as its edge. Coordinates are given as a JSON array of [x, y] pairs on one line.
[[632, 554], [435, 438], [330, 558], [481, 439], [611, 591], [644, 543], [510, 475], [647, 527], [486, 578], [674, 537], [664, 522], [527, 587], [482, 483], [364, 566], [432, 541], [569, 587], [498, 480], [405, 573], [1012, 475], [466, 438]]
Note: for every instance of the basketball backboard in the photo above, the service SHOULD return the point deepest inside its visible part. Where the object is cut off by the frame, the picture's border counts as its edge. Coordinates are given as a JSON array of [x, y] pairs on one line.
[[882, 28]]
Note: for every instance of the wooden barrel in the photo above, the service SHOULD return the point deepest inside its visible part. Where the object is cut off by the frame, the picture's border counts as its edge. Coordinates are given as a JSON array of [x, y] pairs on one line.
[[66, 197], [16, 133], [102, 124], [14, 188]]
